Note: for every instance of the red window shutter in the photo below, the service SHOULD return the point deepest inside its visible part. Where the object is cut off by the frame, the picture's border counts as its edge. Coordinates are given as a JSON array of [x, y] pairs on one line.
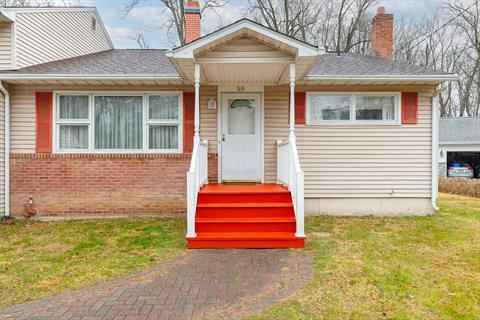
[[409, 108], [188, 121], [43, 103], [300, 107]]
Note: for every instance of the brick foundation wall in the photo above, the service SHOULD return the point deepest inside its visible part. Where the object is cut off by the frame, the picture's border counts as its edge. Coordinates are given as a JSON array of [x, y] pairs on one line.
[[101, 184]]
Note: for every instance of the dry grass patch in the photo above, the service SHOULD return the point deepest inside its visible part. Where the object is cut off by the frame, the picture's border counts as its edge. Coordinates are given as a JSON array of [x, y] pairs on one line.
[[39, 259], [393, 268], [461, 186]]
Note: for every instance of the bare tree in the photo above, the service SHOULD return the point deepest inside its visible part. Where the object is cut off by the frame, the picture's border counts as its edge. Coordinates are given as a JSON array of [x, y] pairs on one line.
[[295, 18], [175, 23], [141, 39], [343, 24]]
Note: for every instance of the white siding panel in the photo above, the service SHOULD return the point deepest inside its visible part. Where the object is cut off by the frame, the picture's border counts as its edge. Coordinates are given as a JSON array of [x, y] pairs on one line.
[[357, 160], [5, 46], [51, 35]]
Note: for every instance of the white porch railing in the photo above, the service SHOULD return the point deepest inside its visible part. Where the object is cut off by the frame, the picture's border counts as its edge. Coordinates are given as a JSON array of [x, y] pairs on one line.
[[196, 177], [290, 173]]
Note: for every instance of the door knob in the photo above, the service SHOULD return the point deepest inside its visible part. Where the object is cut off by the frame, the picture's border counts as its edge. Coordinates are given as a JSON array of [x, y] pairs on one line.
[[223, 137]]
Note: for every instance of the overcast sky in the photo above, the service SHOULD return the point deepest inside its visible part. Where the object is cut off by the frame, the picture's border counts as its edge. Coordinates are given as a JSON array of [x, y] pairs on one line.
[[148, 16]]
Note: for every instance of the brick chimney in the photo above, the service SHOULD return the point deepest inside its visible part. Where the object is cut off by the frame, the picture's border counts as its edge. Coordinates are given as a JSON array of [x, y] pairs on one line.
[[192, 21], [382, 34]]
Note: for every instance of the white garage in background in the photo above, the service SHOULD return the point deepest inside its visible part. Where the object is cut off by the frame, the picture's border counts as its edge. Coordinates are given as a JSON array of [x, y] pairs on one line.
[[459, 140]]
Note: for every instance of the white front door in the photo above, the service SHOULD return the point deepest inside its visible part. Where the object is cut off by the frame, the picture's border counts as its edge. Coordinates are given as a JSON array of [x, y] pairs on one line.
[[241, 137]]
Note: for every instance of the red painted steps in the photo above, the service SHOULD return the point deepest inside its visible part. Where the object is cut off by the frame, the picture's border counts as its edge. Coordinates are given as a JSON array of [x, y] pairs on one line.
[[245, 216]]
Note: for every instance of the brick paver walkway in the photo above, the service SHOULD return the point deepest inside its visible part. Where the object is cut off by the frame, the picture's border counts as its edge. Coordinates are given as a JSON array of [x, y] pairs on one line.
[[212, 284]]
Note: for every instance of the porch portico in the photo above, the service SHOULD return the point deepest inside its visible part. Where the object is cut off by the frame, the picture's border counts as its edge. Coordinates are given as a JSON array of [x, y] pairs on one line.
[[241, 60]]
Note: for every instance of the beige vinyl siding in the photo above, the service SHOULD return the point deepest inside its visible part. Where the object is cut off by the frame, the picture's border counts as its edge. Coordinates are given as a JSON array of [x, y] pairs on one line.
[[2, 154], [54, 35], [23, 110], [244, 48], [356, 160], [276, 126], [5, 46]]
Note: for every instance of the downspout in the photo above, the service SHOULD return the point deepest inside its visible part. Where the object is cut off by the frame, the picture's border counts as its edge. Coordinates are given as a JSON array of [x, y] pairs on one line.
[[7, 150], [435, 120]]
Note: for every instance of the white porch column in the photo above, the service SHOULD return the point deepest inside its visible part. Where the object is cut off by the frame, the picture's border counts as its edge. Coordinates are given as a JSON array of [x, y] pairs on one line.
[[292, 102], [197, 103]]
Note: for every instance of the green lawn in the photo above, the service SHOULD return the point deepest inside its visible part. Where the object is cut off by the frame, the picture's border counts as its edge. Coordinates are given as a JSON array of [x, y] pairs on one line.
[[366, 268], [38, 259], [393, 268]]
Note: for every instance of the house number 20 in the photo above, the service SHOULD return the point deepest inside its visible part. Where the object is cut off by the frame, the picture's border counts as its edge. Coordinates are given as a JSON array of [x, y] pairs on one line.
[[241, 88]]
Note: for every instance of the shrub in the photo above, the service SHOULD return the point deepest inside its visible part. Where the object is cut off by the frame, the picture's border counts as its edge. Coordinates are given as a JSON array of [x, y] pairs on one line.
[[462, 186]]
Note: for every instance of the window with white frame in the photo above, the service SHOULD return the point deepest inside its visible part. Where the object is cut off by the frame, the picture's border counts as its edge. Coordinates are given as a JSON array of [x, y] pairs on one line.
[[115, 122], [356, 108]]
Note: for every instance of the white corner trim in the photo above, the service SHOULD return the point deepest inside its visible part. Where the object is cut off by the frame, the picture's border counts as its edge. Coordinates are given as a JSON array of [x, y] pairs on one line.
[[6, 150], [435, 121]]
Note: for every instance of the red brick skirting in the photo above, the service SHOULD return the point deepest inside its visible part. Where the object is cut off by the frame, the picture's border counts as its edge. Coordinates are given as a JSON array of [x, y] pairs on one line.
[[101, 184]]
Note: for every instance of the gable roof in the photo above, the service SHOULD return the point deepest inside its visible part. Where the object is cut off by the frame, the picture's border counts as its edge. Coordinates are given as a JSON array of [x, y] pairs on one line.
[[11, 11], [115, 62], [358, 66], [462, 130], [186, 51]]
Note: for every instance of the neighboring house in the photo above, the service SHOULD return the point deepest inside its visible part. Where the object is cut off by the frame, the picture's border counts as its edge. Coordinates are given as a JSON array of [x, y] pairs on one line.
[[114, 132], [459, 142]]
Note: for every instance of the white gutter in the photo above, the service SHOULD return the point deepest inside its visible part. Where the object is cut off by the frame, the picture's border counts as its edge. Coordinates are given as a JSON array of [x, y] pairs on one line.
[[20, 76], [387, 77], [435, 126], [7, 150]]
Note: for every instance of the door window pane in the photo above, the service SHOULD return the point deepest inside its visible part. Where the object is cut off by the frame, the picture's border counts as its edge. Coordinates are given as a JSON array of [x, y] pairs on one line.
[[118, 122], [163, 137], [73, 107], [241, 116], [163, 107], [375, 108], [73, 137], [330, 108]]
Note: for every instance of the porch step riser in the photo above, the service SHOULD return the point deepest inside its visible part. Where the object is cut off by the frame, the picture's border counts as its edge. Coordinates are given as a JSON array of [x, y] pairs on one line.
[[256, 212], [243, 198], [245, 216], [244, 244], [246, 227]]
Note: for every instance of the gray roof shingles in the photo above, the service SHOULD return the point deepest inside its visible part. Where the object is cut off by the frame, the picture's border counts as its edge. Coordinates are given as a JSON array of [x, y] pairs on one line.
[[155, 63], [459, 130], [348, 64], [110, 62]]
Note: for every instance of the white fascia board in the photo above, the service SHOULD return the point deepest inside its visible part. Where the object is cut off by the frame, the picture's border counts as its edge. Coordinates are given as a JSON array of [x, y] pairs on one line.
[[99, 18], [447, 77], [454, 143], [86, 77], [47, 9], [186, 51]]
